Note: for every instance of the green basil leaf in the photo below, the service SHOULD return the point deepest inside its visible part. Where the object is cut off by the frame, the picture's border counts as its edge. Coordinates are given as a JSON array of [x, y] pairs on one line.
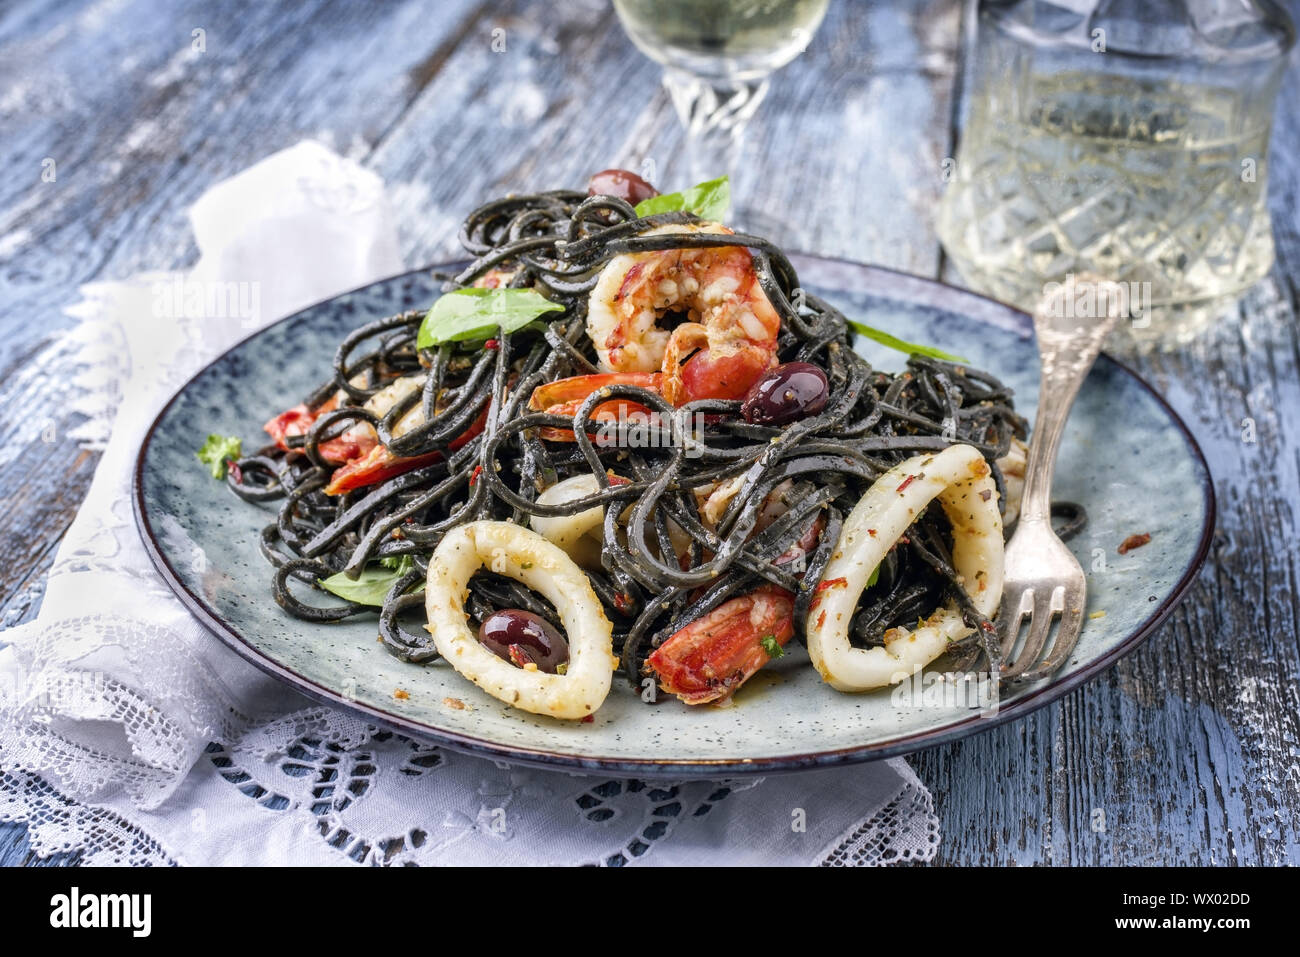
[[873, 577], [370, 587], [707, 200], [893, 342], [467, 314], [772, 647], [216, 451]]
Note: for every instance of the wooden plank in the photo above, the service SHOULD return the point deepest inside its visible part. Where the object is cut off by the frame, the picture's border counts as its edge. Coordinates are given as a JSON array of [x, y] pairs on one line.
[[874, 74], [142, 127]]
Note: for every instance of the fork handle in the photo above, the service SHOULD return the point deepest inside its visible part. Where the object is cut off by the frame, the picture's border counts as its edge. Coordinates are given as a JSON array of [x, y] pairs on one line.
[[1068, 345]]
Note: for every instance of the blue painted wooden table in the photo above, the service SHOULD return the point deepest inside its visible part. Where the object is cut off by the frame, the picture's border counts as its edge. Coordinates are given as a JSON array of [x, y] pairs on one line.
[[1184, 753]]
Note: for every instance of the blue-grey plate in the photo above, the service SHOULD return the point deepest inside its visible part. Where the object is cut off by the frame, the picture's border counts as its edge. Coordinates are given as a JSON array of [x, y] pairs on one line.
[[1126, 457]]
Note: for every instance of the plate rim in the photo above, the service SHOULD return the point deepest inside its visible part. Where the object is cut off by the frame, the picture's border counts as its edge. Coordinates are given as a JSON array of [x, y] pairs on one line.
[[934, 291]]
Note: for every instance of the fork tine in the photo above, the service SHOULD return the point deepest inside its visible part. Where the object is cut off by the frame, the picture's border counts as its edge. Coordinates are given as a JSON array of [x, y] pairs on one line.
[[1066, 637], [1040, 626], [1015, 606]]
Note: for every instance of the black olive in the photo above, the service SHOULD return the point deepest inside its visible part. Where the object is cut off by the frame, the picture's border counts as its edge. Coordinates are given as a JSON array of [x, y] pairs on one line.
[[620, 183], [788, 392], [521, 637]]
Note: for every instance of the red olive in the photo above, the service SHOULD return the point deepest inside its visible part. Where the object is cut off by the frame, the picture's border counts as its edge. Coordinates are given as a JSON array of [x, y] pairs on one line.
[[788, 392], [521, 637], [622, 183]]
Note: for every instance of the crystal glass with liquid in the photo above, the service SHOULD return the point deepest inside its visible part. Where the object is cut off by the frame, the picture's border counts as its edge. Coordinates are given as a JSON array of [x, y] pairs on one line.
[[1125, 139], [717, 56]]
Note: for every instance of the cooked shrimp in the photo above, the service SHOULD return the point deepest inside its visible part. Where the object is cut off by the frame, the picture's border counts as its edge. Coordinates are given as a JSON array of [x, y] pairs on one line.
[[728, 338], [729, 318], [708, 659], [714, 655]]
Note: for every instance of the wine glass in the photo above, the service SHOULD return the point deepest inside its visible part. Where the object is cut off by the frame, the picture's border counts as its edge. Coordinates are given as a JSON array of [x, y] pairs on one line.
[[717, 56], [1124, 138]]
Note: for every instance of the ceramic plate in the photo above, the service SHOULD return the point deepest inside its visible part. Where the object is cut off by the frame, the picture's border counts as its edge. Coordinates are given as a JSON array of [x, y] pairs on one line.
[[1126, 457]]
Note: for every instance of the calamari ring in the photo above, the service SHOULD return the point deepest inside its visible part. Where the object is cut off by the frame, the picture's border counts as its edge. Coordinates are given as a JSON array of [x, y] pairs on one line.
[[572, 533], [961, 481], [522, 554]]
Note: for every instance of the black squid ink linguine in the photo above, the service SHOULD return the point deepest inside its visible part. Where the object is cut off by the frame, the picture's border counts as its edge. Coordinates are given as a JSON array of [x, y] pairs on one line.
[[625, 439]]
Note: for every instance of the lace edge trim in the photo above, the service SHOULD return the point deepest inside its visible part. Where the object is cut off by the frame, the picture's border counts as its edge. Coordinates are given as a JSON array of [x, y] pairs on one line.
[[86, 828], [910, 806]]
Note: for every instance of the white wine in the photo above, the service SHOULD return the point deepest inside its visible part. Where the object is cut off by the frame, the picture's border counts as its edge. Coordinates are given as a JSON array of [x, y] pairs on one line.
[[717, 57], [738, 39], [1149, 182]]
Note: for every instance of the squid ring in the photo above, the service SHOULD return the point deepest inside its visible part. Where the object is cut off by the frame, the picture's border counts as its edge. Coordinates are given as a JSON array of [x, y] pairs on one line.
[[572, 533], [525, 556], [961, 481]]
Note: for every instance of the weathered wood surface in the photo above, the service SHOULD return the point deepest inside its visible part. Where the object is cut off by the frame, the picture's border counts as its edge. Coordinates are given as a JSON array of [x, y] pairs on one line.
[[1185, 753]]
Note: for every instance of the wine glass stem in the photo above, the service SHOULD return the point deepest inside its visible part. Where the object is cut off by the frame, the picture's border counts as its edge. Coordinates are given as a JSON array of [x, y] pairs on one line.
[[715, 113]]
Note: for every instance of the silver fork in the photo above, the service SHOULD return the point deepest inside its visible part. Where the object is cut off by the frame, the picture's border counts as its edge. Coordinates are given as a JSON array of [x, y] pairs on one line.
[[1043, 578]]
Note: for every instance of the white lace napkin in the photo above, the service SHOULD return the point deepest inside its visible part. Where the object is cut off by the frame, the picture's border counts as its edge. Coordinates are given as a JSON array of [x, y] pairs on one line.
[[130, 733]]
